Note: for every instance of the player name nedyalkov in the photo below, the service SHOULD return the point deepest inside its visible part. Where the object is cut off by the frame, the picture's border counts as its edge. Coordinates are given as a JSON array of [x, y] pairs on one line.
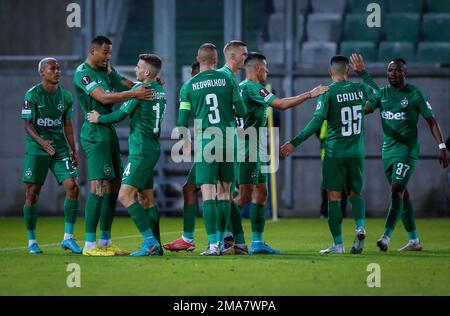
[[210, 83]]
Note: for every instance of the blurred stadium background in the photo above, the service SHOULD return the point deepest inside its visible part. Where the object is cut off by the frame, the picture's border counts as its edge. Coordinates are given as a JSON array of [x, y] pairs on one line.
[[297, 36]]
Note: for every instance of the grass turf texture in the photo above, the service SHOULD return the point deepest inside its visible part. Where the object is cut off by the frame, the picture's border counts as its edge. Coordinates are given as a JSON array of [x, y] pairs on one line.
[[301, 270]]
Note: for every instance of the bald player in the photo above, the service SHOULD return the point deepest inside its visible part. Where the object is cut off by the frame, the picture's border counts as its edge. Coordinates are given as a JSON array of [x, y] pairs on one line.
[[50, 144], [214, 100]]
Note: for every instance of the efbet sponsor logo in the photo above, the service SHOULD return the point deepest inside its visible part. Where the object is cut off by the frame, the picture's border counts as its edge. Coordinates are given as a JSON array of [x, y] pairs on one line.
[[388, 115], [48, 122]]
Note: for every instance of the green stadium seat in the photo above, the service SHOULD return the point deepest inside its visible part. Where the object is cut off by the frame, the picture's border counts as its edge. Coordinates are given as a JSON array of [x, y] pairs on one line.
[[390, 50], [436, 52], [366, 49], [403, 27], [435, 27], [438, 6], [405, 6], [356, 29], [360, 6]]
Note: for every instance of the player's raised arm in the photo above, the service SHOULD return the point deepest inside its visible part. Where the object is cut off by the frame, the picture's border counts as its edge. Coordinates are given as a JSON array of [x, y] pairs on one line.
[[117, 97], [359, 67], [286, 103], [313, 126]]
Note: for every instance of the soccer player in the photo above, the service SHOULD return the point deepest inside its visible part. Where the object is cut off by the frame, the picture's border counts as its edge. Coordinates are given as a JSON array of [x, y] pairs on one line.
[[343, 165], [190, 198], [235, 53], [47, 112], [400, 106], [214, 100], [144, 152], [98, 87], [251, 180]]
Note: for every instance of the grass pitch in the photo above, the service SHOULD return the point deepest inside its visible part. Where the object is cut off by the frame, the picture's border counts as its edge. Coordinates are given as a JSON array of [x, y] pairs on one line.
[[301, 270]]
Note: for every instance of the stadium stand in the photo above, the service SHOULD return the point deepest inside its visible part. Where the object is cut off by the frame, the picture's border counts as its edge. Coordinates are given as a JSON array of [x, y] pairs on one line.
[[367, 49], [409, 6], [328, 6], [442, 6], [402, 27], [324, 27], [317, 52], [389, 50]]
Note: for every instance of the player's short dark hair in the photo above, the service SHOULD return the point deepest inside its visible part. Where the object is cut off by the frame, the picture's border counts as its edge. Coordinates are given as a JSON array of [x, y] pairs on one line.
[[339, 59], [152, 59], [233, 44], [254, 58], [399, 60], [206, 53], [100, 40]]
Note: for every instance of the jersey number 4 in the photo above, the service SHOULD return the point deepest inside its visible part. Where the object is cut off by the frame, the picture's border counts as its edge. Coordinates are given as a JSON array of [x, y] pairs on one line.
[[351, 118], [211, 100]]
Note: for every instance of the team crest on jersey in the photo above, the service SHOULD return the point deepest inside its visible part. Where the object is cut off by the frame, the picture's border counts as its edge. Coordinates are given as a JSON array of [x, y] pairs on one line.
[[263, 92], [404, 103], [26, 105], [319, 105], [60, 107], [107, 169], [429, 106], [28, 173], [86, 80]]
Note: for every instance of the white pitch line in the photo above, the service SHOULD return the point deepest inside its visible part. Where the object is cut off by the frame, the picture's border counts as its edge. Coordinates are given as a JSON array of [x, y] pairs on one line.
[[81, 241]]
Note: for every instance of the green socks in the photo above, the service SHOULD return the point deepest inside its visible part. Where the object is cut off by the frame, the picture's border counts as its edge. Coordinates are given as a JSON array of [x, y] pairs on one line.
[[395, 212], [153, 215], [92, 215], [335, 221], [189, 217], [359, 210], [236, 224], [409, 220], [224, 209], [141, 219], [70, 215], [30, 215], [210, 216], [258, 220], [107, 214]]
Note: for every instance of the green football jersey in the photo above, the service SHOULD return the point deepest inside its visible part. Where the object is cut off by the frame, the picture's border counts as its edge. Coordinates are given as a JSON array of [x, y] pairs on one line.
[[343, 108], [257, 99], [145, 125], [399, 111], [48, 112], [210, 95], [86, 80]]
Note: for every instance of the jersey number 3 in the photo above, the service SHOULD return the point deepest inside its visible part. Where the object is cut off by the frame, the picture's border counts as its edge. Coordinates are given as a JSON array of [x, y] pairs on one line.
[[211, 100], [351, 118]]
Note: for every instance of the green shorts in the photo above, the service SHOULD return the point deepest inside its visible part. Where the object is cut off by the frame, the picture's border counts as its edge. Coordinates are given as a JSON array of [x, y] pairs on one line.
[[343, 174], [399, 170], [103, 159], [139, 172], [36, 168], [250, 173], [213, 172], [191, 176]]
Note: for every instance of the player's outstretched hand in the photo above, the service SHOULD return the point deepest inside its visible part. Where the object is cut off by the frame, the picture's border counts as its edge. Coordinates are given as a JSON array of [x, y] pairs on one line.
[[320, 89], [443, 159], [47, 145], [144, 93], [93, 117], [357, 62], [286, 149]]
